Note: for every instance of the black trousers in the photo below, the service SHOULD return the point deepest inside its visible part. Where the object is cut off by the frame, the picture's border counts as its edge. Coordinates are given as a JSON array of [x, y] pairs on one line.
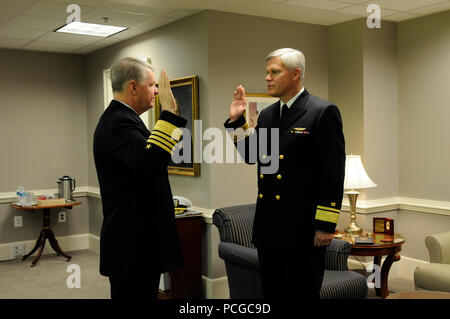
[[139, 286], [291, 274]]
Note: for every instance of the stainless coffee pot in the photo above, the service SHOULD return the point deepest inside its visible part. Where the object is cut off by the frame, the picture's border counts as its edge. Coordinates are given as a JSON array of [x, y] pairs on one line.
[[66, 185]]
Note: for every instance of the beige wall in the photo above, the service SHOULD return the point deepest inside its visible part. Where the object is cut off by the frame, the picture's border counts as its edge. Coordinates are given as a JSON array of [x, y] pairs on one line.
[[43, 119], [345, 80], [363, 82], [391, 86], [423, 135], [77, 222], [424, 107], [43, 134], [380, 80], [415, 226]]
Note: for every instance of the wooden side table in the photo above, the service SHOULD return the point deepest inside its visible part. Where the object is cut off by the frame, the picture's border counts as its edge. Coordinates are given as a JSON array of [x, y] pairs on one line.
[[186, 282], [46, 232], [384, 245]]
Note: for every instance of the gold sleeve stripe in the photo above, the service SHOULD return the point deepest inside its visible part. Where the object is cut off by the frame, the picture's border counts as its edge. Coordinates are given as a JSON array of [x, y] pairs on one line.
[[329, 209], [169, 129], [164, 147], [161, 140], [162, 134], [163, 137], [327, 216]]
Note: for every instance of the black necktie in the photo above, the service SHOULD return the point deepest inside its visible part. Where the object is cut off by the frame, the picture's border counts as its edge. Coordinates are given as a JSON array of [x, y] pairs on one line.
[[284, 113]]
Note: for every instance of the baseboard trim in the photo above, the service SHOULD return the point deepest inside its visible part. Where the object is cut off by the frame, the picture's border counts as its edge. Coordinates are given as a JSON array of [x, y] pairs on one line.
[[215, 288], [94, 243], [404, 268], [67, 243]]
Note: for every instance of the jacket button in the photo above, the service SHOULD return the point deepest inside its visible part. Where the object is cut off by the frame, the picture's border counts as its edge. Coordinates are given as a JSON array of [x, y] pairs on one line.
[[261, 176], [260, 195], [264, 156], [281, 156], [279, 176], [277, 197]]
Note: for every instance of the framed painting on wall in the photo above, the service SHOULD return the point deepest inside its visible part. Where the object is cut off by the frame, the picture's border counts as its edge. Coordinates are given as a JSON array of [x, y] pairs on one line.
[[185, 91], [255, 103]]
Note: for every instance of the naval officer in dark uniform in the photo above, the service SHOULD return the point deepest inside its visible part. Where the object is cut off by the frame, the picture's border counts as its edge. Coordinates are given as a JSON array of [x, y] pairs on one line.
[[138, 239], [298, 206]]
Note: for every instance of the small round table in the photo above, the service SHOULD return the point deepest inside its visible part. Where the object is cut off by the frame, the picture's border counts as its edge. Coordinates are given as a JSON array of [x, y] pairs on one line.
[[46, 232], [383, 245]]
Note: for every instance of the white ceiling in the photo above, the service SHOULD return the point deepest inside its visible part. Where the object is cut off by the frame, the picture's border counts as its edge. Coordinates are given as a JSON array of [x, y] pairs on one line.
[[29, 24]]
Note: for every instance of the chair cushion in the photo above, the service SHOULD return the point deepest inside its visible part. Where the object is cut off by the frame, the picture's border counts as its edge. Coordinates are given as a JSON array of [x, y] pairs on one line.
[[432, 277], [343, 285]]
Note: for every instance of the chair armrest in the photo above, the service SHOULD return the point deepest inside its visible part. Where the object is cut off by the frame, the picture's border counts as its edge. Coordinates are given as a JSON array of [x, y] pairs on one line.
[[438, 246], [337, 254], [239, 255], [235, 224]]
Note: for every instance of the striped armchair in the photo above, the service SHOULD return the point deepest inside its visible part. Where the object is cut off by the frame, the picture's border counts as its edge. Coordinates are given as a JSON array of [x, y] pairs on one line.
[[241, 259]]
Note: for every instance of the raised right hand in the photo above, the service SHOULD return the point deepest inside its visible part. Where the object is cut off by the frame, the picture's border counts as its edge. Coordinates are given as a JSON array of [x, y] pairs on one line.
[[166, 97], [239, 104]]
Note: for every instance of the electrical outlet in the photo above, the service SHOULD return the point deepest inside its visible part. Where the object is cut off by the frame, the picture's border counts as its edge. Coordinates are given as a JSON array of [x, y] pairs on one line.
[[62, 217], [17, 251], [18, 221]]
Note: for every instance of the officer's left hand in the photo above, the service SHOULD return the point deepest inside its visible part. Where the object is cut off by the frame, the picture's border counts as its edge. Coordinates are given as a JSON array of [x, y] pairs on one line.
[[322, 238]]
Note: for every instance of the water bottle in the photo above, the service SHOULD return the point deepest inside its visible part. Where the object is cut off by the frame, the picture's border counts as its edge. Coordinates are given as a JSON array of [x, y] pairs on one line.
[[21, 196]]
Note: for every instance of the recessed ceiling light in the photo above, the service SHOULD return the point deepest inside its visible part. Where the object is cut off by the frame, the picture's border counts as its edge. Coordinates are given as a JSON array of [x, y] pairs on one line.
[[98, 30]]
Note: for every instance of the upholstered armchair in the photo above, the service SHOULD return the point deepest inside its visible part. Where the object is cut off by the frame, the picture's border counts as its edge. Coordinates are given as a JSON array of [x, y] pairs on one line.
[[435, 275], [241, 259]]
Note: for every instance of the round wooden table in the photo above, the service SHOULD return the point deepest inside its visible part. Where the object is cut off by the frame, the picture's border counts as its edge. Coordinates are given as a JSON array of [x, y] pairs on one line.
[[383, 245], [46, 232]]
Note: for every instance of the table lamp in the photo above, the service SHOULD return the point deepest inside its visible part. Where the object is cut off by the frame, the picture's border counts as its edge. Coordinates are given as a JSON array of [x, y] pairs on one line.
[[355, 178]]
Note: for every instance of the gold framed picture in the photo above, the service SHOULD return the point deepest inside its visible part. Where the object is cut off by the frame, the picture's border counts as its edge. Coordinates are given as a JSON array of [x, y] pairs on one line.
[[185, 91], [255, 103]]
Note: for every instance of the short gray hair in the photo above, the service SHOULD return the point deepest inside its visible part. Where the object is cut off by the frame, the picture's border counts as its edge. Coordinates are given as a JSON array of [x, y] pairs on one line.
[[127, 69], [291, 58]]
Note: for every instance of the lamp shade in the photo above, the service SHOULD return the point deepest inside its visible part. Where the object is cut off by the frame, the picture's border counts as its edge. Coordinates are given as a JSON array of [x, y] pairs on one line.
[[355, 174]]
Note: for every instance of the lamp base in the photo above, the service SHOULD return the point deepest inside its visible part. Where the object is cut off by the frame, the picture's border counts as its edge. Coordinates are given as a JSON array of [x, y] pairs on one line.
[[353, 229]]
